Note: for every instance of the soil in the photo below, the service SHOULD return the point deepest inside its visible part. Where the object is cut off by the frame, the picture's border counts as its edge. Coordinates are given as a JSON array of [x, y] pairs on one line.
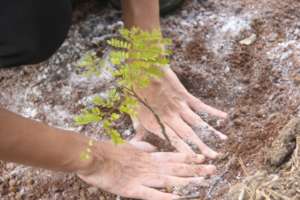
[[280, 178], [257, 84]]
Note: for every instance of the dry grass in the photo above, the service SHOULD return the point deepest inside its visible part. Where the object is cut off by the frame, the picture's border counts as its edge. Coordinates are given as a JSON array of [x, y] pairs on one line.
[[261, 185]]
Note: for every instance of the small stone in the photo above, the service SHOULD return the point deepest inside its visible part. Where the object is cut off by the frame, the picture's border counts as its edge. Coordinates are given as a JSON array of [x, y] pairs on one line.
[[260, 114], [238, 122], [92, 190], [30, 181], [18, 196], [256, 87], [248, 41], [12, 183], [82, 195], [283, 146], [101, 198], [244, 110], [272, 37], [296, 79], [13, 189]]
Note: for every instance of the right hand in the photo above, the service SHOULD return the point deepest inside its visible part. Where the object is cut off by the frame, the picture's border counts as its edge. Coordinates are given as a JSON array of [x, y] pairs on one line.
[[129, 172], [177, 110]]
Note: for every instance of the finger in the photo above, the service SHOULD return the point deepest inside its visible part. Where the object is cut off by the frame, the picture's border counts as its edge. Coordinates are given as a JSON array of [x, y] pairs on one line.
[[145, 193], [177, 157], [178, 143], [144, 146], [162, 181], [186, 170], [199, 106], [195, 120], [187, 134], [141, 132], [206, 127]]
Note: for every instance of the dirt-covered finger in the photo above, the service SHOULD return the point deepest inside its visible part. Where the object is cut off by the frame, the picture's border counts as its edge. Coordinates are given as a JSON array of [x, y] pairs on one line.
[[144, 146], [188, 135], [186, 170], [205, 126], [163, 181], [175, 140], [178, 143], [199, 106], [195, 120], [177, 157], [147, 193]]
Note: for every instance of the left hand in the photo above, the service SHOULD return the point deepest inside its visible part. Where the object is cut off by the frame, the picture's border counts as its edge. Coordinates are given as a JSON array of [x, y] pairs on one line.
[[126, 171], [177, 109]]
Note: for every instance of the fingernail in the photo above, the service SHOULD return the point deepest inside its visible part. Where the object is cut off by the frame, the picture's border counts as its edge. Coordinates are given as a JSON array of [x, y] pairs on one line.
[[212, 154], [200, 158], [211, 169], [223, 137], [225, 115]]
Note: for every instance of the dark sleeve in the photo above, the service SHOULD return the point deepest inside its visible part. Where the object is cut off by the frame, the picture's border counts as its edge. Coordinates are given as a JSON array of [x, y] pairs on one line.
[[32, 30]]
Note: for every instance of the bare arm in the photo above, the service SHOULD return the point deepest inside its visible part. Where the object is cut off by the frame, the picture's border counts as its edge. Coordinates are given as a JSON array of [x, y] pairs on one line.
[[118, 169], [32, 143], [177, 108], [141, 13]]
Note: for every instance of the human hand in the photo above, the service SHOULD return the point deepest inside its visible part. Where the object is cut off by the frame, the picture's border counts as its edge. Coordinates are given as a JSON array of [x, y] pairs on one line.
[[176, 108], [129, 172]]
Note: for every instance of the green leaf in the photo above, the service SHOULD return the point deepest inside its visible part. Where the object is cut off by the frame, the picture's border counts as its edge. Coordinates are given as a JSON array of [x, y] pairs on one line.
[[116, 137], [128, 106], [88, 116], [99, 101], [138, 57], [114, 116], [113, 95], [119, 43], [106, 124]]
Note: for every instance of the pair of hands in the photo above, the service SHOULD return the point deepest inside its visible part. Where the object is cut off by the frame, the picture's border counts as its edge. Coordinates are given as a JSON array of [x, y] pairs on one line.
[[139, 172]]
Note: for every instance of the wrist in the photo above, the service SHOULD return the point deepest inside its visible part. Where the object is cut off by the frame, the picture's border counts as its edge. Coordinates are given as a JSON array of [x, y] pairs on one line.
[[141, 13], [74, 146]]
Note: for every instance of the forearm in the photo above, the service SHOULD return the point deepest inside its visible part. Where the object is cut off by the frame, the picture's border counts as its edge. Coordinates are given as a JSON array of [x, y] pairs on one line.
[[32, 143], [143, 14]]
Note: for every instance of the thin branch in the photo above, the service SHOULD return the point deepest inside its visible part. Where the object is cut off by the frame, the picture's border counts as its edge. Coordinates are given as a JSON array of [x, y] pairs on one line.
[[162, 126]]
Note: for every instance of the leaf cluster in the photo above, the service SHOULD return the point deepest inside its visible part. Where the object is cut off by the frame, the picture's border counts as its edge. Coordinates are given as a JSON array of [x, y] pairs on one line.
[[138, 57]]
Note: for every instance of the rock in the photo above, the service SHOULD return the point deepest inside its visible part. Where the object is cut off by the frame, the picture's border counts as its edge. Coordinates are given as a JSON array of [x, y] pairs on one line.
[[283, 146], [92, 190], [82, 195], [12, 183], [30, 181], [19, 196], [101, 198], [272, 37], [238, 122], [296, 79], [248, 41]]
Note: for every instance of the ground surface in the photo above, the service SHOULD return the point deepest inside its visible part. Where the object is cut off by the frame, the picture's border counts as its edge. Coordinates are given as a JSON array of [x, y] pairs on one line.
[[257, 84]]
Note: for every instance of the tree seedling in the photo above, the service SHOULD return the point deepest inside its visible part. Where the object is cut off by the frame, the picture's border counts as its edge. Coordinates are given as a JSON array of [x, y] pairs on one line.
[[137, 57]]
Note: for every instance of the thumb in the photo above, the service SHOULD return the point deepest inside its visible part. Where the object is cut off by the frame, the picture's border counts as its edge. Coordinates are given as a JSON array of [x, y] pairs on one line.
[[144, 146]]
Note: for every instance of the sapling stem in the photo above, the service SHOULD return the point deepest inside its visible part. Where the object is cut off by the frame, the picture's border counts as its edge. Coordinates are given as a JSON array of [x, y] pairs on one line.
[[162, 126]]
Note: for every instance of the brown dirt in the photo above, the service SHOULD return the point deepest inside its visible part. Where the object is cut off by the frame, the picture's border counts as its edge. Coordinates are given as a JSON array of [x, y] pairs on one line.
[[279, 179], [256, 118]]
